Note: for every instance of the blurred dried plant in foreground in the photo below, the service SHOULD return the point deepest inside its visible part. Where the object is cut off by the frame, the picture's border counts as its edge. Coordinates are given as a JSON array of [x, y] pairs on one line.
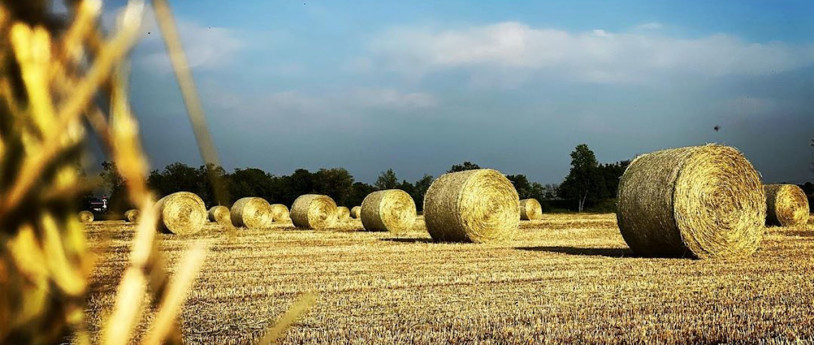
[[55, 72]]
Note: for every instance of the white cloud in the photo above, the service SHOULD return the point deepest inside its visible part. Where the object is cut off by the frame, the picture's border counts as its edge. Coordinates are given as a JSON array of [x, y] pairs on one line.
[[649, 26], [206, 47], [598, 56]]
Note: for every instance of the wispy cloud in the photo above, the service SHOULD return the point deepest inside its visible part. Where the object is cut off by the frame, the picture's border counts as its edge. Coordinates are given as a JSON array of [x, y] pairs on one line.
[[597, 56]]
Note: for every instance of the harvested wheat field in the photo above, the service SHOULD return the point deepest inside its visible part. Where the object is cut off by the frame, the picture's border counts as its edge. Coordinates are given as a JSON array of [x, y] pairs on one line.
[[563, 279]]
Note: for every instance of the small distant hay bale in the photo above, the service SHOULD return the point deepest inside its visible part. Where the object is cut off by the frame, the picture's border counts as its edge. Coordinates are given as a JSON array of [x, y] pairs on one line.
[[355, 212], [279, 213], [132, 216], [472, 206], [252, 213], [342, 214], [701, 201], [786, 205], [390, 210], [530, 209], [313, 211], [181, 213], [220, 214], [86, 216]]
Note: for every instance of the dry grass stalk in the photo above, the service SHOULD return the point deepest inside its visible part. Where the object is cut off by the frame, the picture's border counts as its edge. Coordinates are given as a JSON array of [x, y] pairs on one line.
[[390, 210], [131, 216], [530, 209], [356, 212], [472, 206], [279, 213], [313, 211], [702, 201], [219, 214], [252, 213], [181, 213], [786, 205]]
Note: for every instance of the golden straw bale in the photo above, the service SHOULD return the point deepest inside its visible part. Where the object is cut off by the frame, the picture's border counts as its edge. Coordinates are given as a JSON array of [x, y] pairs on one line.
[[701, 201], [786, 205], [220, 214], [86, 216], [530, 209], [279, 213], [132, 215], [472, 206], [342, 214], [355, 212], [313, 211], [390, 210], [252, 213], [181, 213]]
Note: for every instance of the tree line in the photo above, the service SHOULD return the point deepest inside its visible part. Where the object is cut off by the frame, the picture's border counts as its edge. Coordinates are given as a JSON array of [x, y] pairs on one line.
[[588, 184]]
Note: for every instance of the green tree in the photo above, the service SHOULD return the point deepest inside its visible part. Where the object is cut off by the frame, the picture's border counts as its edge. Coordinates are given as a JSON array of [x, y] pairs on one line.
[[250, 182], [387, 180], [336, 183], [463, 167], [522, 185], [583, 180], [115, 185], [358, 192], [420, 189]]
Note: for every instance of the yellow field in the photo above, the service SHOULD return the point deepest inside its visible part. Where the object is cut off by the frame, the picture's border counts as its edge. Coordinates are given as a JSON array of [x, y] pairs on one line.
[[564, 279]]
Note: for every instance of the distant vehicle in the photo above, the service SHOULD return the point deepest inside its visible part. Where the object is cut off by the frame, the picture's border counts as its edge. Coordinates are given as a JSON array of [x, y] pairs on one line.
[[96, 205]]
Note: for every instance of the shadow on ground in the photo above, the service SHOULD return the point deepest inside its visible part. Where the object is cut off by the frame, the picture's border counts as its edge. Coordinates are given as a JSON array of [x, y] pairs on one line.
[[609, 252], [408, 240], [798, 233]]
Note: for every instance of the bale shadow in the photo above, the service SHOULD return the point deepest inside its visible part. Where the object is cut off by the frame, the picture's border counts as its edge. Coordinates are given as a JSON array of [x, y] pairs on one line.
[[408, 240], [608, 252], [801, 233]]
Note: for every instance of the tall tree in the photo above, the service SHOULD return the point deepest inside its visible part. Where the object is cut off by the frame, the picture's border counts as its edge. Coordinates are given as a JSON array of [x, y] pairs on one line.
[[522, 185], [115, 185], [583, 179], [463, 167], [336, 183], [420, 189], [387, 180]]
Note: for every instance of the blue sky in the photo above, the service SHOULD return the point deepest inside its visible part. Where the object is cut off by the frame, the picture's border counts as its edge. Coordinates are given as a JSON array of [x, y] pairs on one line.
[[418, 86]]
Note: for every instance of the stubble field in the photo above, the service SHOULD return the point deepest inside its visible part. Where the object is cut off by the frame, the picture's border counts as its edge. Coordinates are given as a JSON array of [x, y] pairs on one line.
[[564, 279]]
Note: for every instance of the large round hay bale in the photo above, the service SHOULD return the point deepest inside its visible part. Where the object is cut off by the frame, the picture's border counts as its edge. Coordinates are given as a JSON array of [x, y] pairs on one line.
[[355, 212], [530, 209], [132, 216], [786, 205], [220, 214], [390, 210], [313, 211], [252, 213], [279, 213], [342, 214], [701, 201], [472, 206], [181, 213], [86, 216]]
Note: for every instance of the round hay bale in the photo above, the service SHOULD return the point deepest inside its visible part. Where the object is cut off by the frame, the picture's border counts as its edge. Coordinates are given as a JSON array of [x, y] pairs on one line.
[[700, 201], [132, 215], [390, 210], [786, 205], [219, 214], [181, 213], [530, 209], [355, 212], [86, 216], [279, 213], [313, 211], [252, 213], [472, 206], [342, 214]]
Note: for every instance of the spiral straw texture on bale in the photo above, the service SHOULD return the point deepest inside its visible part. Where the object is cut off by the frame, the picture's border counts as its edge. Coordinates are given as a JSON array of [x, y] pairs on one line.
[[85, 216], [220, 214], [786, 205], [132, 215], [313, 211], [472, 206], [181, 213], [701, 201], [252, 213], [355, 212], [342, 214], [279, 213], [530, 209], [390, 210]]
